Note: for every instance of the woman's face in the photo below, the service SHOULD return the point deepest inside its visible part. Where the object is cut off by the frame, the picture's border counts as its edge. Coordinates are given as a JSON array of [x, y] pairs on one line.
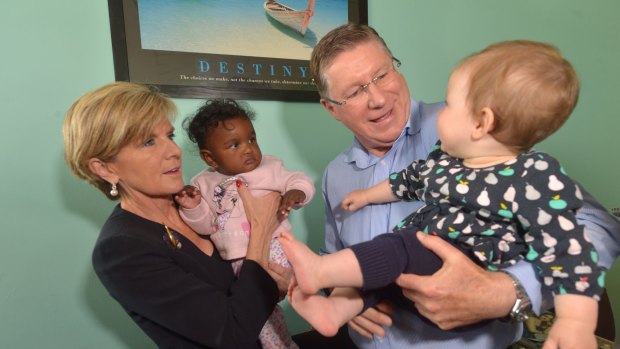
[[150, 168]]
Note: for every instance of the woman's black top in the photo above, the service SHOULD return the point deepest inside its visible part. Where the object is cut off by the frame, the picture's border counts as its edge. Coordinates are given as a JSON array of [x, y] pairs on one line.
[[181, 297]]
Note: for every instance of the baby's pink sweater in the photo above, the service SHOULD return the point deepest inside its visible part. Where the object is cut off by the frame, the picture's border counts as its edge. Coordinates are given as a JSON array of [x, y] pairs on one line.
[[229, 228]]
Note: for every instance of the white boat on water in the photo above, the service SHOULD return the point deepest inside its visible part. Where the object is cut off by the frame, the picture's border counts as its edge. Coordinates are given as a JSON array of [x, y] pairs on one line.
[[297, 20]]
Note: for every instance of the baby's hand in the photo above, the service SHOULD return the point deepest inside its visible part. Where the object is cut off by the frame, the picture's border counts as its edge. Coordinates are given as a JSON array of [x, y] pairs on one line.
[[355, 200], [292, 199], [569, 334], [188, 197]]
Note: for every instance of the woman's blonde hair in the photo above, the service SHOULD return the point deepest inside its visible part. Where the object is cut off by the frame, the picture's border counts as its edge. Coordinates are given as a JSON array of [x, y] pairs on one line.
[[530, 87], [101, 122]]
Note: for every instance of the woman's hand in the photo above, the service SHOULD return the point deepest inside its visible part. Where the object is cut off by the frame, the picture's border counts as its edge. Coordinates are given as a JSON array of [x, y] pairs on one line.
[[460, 293], [282, 276], [261, 213]]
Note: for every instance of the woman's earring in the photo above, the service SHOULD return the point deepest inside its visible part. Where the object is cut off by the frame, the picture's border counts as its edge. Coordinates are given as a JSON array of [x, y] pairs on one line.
[[114, 191]]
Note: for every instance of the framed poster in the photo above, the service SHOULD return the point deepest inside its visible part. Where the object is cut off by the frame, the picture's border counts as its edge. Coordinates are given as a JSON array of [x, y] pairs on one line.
[[243, 49]]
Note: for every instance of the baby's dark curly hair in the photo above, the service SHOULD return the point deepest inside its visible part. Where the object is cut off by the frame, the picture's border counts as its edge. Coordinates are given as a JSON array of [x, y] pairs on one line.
[[210, 115]]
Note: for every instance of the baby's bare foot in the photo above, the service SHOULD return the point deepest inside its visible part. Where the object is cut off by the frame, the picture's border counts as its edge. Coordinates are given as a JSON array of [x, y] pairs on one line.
[[305, 263]]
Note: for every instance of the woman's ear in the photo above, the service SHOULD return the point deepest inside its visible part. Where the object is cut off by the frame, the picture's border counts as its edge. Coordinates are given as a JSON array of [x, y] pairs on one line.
[[207, 157], [103, 170], [485, 123]]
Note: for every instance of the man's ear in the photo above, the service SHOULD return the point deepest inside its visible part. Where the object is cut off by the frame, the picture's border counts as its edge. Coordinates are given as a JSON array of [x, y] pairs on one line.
[[485, 123], [207, 157], [103, 169], [330, 108]]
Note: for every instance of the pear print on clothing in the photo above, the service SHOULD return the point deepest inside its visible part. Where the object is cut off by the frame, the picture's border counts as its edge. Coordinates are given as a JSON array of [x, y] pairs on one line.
[[445, 189], [555, 184], [467, 229], [548, 240], [548, 259], [400, 192], [531, 193], [528, 163], [491, 179], [509, 195], [524, 222], [578, 193], [521, 209], [541, 165], [565, 224], [509, 237], [459, 218], [503, 246], [440, 223], [531, 254], [543, 217], [483, 198]]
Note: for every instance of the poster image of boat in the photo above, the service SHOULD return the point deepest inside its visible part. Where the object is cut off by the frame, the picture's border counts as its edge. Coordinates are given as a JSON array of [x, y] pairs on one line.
[[247, 49], [238, 27]]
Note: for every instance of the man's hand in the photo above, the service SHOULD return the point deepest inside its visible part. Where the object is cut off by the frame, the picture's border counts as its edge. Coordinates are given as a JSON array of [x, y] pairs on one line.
[[188, 197], [460, 293], [292, 199], [371, 321]]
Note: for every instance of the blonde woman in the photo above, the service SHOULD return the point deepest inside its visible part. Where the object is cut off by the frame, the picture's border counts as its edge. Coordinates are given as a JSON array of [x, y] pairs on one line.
[[172, 282]]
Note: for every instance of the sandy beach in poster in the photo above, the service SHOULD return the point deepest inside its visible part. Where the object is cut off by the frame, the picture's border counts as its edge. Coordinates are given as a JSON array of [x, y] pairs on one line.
[[233, 27]]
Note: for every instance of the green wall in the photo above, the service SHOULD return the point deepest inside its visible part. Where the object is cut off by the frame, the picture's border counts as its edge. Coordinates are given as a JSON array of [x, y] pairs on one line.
[[53, 51]]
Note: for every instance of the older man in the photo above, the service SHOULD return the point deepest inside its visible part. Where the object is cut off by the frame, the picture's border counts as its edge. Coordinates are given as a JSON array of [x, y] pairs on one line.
[[360, 86]]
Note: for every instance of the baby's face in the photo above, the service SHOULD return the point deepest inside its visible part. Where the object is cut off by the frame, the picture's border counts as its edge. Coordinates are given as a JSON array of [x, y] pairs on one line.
[[233, 148], [455, 122]]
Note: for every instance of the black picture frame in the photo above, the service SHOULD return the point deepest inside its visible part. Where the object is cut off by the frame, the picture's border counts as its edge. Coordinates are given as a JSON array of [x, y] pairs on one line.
[[175, 73]]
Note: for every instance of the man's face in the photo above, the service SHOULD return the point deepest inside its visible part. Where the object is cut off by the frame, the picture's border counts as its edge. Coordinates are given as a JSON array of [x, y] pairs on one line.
[[377, 115]]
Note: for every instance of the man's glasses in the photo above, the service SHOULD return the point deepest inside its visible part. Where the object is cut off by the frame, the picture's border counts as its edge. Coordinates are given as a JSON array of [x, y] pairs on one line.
[[381, 80]]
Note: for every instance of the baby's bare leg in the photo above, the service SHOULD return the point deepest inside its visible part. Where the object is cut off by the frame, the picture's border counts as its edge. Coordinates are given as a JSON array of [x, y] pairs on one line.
[[326, 314], [314, 272]]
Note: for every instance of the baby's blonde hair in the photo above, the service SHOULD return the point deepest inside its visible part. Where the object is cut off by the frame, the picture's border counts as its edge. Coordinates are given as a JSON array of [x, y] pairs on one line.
[[529, 86]]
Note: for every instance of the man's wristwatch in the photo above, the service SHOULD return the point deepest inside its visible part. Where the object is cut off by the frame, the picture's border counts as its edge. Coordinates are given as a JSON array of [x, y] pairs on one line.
[[522, 309]]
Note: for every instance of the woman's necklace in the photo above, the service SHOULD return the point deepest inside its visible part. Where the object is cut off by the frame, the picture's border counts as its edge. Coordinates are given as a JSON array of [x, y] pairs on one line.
[[168, 216], [170, 236]]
